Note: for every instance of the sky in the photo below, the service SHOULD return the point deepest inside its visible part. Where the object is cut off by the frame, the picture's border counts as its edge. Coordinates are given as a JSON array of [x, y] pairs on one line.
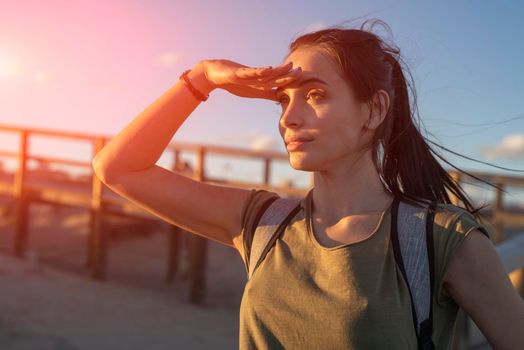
[[92, 66]]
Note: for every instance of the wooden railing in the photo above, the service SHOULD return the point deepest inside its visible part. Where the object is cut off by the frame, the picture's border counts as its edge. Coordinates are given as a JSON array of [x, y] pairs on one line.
[[102, 205]]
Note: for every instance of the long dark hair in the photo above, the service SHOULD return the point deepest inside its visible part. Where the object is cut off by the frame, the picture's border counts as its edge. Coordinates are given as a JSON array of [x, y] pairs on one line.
[[405, 161]]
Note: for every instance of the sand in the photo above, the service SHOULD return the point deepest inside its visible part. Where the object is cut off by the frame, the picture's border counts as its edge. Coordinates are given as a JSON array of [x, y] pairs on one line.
[[49, 301]]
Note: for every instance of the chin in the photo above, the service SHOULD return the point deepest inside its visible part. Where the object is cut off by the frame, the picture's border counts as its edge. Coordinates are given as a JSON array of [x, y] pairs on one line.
[[301, 162]]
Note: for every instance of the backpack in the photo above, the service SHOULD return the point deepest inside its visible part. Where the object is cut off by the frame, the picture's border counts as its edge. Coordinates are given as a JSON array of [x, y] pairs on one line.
[[411, 238]]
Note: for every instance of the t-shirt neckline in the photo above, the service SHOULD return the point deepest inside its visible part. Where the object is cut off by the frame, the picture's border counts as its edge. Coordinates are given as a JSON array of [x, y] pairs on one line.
[[312, 237]]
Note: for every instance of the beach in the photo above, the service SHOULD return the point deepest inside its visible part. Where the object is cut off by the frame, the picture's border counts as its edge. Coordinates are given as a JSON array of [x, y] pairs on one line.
[[49, 301]]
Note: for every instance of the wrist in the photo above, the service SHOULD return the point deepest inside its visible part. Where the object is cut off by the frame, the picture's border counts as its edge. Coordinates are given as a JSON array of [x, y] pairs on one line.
[[198, 79]]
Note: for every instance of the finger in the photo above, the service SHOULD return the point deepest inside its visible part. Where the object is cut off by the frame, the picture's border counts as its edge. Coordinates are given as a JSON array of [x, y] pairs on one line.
[[278, 80], [283, 80], [294, 73], [285, 65], [269, 90], [283, 68], [252, 91], [251, 72], [245, 73]]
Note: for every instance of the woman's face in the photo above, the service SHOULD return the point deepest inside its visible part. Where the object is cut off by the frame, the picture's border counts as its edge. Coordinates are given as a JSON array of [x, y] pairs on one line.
[[325, 112]]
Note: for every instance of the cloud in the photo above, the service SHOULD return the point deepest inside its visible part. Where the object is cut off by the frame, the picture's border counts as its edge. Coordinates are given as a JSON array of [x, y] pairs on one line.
[[511, 147], [168, 59]]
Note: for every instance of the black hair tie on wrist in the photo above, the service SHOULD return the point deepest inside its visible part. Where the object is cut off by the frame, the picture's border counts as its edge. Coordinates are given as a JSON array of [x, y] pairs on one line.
[[200, 96]]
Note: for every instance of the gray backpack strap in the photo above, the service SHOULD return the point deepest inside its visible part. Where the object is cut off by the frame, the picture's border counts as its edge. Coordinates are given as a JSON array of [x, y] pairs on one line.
[[412, 238], [275, 216]]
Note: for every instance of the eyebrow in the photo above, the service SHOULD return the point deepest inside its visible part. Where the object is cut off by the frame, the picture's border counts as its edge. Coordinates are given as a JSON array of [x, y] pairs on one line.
[[300, 83]]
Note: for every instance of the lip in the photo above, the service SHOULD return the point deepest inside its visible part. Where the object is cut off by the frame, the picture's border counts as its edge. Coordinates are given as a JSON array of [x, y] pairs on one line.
[[297, 139], [296, 145]]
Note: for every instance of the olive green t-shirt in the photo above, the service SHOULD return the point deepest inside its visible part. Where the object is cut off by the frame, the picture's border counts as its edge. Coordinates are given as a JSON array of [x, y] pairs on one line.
[[352, 296]]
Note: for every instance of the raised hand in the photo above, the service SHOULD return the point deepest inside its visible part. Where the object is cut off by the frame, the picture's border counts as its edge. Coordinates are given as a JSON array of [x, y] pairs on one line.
[[251, 82]]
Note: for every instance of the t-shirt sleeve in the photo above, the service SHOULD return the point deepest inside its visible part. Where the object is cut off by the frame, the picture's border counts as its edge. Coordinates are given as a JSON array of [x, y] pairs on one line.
[[451, 227], [253, 209]]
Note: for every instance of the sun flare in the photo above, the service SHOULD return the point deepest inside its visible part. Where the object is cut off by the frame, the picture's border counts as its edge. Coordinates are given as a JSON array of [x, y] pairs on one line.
[[9, 65]]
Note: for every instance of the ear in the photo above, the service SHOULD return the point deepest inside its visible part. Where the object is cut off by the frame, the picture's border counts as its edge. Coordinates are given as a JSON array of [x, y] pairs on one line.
[[379, 108]]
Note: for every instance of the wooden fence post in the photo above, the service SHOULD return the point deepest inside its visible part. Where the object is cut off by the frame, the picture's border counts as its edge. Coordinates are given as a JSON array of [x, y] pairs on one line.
[[174, 237], [199, 248], [96, 245], [267, 170], [173, 253], [199, 244], [22, 199]]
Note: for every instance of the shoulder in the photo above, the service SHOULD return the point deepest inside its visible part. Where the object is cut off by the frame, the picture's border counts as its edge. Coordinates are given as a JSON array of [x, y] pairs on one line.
[[259, 200], [451, 226], [252, 210], [256, 200], [472, 276], [454, 220], [254, 206]]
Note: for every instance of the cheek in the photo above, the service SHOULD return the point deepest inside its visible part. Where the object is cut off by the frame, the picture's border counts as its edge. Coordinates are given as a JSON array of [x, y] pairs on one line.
[[346, 120], [340, 132]]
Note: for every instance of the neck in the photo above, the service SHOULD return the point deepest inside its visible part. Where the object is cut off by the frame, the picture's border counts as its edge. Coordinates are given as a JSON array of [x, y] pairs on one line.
[[346, 191]]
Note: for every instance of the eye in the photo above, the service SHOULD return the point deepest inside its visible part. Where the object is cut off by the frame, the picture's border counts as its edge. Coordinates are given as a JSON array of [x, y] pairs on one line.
[[318, 96], [283, 99]]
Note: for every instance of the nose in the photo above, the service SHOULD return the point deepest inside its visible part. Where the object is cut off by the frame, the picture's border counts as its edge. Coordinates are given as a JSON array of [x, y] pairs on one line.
[[292, 117]]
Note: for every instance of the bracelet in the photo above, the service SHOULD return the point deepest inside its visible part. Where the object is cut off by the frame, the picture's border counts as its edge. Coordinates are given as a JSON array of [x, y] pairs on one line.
[[200, 96]]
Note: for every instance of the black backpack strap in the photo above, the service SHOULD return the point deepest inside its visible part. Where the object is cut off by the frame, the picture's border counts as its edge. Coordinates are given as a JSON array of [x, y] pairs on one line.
[[412, 241], [426, 327], [273, 221]]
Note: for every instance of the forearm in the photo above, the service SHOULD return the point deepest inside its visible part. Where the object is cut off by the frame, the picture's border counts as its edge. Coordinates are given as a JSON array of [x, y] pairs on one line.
[[142, 142]]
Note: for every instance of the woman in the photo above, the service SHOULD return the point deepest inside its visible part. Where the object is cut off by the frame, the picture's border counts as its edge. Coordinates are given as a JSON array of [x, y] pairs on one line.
[[330, 281]]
